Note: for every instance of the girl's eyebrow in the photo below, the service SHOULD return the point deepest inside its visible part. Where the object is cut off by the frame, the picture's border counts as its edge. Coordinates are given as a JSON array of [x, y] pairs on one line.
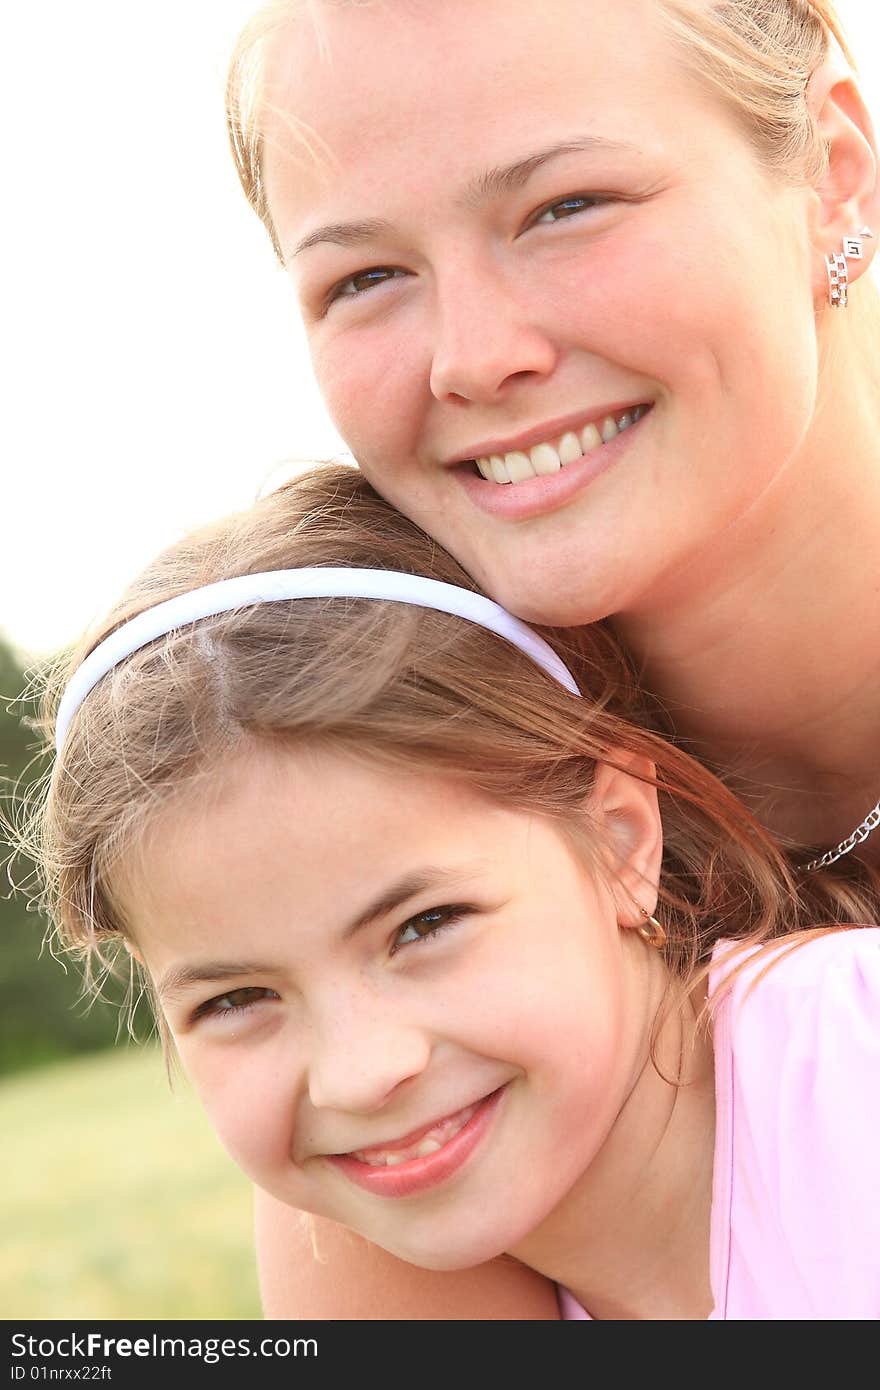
[[180, 978], [409, 886], [490, 184]]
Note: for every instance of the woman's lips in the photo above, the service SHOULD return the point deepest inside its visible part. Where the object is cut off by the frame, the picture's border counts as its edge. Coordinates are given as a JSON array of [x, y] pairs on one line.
[[535, 496], [420, 1173]]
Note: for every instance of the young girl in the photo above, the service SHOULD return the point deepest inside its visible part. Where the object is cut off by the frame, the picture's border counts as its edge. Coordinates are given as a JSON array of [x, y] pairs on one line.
[[394, 869], [573, 278]]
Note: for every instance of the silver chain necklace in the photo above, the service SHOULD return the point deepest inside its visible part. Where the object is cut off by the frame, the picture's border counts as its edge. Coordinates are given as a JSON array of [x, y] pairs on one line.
[[858, 836]]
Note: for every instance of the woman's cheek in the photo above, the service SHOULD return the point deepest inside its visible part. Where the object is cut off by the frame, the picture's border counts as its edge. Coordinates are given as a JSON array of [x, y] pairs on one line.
[[371, 387]]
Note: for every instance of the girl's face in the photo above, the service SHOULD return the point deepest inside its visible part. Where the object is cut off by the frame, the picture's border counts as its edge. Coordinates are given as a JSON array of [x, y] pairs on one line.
[[404, 1007], [523, 225]]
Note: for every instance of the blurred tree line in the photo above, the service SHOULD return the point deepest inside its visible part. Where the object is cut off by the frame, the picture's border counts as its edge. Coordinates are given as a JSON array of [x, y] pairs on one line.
[[43, 1016]]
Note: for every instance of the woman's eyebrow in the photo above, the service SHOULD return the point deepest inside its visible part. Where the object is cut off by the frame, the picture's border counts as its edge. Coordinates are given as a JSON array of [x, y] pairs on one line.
[[342, 234], [490, 184], [507, 176]]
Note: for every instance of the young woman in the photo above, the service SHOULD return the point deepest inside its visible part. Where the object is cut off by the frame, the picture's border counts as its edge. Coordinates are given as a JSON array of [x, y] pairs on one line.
[[450, 987], [573, 279]]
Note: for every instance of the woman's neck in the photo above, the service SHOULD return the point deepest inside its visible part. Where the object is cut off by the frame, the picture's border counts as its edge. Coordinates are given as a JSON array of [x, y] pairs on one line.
[[767, 652]]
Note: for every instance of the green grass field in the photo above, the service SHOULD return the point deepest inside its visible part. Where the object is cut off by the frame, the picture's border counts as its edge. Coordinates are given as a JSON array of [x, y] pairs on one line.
[[117, 1200]]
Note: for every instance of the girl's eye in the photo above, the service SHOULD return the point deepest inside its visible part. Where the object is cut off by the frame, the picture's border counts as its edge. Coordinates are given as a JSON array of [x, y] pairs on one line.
[[364, 280], [428, 924], [568, 207], [237, 1001]]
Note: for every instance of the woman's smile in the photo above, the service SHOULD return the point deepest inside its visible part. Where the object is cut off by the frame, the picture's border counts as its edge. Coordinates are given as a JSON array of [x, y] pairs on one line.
[[521, 460], [545, 477]]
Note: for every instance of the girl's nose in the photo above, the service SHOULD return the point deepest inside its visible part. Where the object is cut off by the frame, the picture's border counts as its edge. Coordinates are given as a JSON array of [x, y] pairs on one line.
[[485, 340], [359, 1058]]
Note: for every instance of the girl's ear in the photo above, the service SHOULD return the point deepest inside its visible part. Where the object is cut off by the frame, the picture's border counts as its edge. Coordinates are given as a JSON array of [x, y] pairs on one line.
[[623, 807], [848, 198], [133, 951]]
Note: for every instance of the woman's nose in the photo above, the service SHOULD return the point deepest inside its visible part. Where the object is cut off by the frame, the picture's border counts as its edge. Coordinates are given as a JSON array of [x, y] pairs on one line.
[[486, 339], [360, 1055]]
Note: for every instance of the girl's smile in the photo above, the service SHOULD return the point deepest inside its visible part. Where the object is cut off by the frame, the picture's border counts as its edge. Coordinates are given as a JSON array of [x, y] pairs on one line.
[[419, 1162]]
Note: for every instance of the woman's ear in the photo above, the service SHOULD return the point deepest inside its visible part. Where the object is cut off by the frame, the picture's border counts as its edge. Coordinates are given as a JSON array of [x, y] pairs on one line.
[[848, 198], [623, 807]]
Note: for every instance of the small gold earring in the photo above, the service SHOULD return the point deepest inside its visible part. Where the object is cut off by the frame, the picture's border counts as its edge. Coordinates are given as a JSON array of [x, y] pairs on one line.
[[653, 931]]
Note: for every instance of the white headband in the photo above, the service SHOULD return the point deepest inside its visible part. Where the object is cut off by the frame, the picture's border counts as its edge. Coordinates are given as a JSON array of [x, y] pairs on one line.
[[390, 585]]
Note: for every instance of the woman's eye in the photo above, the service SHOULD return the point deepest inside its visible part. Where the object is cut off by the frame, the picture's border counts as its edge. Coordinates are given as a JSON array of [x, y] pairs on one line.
[[364, 280], [426, 925], [237, 1001], [567, 207]]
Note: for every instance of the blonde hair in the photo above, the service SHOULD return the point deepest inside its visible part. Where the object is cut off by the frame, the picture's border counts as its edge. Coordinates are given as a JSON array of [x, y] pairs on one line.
[[385, 681], [755, 56]]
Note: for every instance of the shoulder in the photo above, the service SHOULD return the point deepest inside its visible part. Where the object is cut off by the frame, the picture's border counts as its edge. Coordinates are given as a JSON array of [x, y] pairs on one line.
[[311, 1268], [801, 978], [796, 1029]]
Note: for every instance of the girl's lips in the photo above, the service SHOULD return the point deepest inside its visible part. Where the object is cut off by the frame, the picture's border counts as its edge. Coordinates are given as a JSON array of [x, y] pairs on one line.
[[420, 1174], [536, 496]]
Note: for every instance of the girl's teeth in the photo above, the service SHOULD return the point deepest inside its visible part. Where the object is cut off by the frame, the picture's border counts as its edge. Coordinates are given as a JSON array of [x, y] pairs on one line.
[[544, 459], [428, 1144]]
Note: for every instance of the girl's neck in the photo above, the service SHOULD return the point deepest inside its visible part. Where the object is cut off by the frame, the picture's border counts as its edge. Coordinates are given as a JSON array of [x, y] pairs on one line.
[[631, 1240], [767, 652]]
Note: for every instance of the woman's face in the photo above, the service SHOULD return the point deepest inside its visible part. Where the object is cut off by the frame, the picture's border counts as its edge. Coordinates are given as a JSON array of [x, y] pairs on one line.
[[524, 226], [397, 999]]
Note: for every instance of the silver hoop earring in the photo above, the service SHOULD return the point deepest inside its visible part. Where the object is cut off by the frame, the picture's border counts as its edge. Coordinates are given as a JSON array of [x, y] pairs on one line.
[[838, 271], [653, 931]]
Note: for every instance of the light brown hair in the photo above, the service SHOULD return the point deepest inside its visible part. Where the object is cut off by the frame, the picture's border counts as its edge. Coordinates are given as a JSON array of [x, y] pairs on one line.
[[386, 681]]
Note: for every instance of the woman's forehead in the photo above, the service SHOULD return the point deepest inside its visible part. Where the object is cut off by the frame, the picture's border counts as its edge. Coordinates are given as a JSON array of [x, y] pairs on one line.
[[336, 60], [371, 95]]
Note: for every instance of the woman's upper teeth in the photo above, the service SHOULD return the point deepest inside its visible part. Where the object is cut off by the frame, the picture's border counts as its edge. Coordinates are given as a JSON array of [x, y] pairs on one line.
[[542, 459]]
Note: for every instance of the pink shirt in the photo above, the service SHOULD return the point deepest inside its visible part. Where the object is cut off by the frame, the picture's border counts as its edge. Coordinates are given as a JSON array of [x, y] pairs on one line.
[[795, 1229]]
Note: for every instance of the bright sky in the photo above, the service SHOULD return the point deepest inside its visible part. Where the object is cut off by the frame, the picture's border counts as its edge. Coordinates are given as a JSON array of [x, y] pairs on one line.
[[154, 371]]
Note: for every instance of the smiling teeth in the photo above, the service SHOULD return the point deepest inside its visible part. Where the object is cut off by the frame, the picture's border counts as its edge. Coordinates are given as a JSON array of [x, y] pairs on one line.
[[543, 459], [428, 1144]]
